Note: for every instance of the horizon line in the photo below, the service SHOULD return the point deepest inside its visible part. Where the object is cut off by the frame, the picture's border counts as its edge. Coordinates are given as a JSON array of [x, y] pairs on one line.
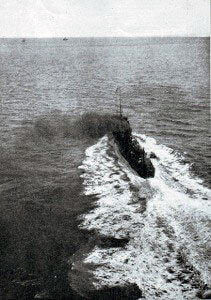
[[72, 37]]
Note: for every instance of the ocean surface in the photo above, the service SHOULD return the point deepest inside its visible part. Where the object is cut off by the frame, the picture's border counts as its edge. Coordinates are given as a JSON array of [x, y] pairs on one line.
[[46, 84], [164, 85]]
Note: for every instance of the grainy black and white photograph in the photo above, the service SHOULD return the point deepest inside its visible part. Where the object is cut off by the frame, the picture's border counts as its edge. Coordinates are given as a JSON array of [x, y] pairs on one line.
[[105, 150]]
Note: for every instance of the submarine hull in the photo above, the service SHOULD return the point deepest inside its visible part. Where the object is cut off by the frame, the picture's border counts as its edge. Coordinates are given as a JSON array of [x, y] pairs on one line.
[[133, 153]]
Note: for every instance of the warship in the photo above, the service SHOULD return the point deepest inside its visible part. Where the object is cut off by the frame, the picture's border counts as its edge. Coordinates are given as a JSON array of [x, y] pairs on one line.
[[129, 147]]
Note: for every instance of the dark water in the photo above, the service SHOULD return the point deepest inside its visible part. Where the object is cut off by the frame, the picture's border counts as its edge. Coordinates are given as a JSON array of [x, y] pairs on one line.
[[45, 84]]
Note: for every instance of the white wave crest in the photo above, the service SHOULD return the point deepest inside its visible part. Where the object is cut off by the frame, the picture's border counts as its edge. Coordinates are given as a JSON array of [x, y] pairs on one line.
[[159, 216], [175, 168]]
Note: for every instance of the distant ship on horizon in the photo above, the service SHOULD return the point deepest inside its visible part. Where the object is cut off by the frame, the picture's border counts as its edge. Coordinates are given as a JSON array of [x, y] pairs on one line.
[[65, 39]]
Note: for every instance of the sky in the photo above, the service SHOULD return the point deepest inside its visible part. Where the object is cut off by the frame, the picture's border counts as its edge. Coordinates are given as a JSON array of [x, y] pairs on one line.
[[104, 18]]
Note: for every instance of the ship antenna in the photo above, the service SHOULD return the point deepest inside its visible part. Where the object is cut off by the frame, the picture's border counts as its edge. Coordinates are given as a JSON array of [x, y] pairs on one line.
[[119, 101]]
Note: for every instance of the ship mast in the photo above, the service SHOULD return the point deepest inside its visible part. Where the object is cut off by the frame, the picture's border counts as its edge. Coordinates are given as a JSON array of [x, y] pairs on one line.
[[119, 101]]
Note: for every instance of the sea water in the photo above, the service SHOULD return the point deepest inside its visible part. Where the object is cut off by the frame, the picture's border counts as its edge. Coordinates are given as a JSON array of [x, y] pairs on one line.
[[164, 86]]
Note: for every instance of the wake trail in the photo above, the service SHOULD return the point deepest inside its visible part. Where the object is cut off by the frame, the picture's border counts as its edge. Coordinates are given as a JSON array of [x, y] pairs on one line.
[[165, 220]]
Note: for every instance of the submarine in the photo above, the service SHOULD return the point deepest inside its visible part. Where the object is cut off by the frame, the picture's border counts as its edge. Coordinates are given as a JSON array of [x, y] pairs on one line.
[[130, 149]]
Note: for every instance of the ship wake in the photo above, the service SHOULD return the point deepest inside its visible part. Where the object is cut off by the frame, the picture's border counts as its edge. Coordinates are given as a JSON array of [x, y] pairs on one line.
[[163, 223]]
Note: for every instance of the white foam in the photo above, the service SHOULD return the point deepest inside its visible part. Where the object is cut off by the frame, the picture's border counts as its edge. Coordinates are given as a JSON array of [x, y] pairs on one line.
[[174, 168], [167, 216]]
